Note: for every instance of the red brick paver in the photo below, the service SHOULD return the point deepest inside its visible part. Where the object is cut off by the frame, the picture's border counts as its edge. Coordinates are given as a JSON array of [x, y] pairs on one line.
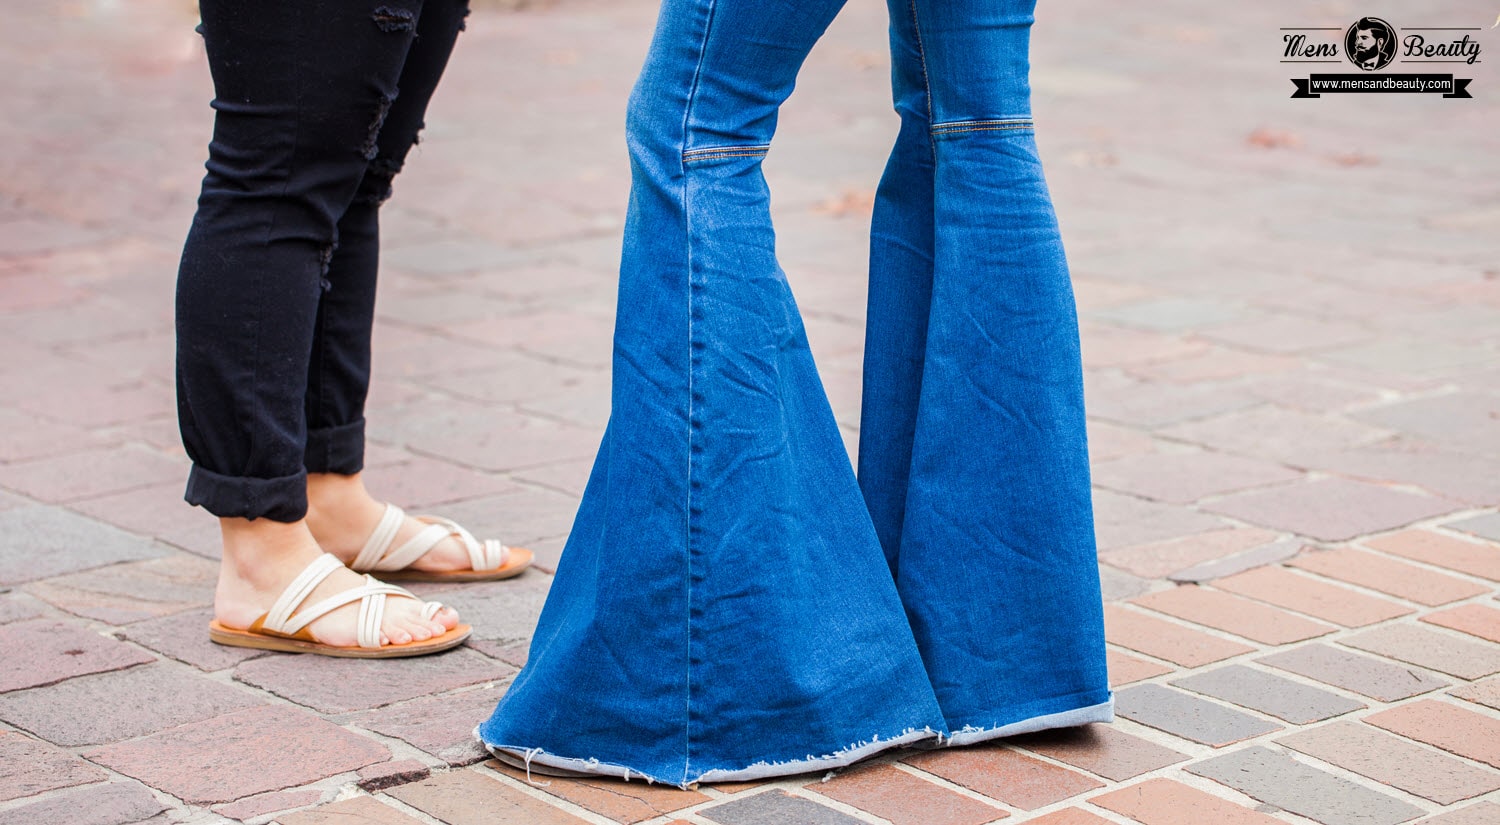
[[1165, 640], [1474, 619], [1165, 802], [1234, 614], [889, 792], [1446, 726], [241, 753], [1305, 594], [1464, 555], [1396, 578], [1004, 774]]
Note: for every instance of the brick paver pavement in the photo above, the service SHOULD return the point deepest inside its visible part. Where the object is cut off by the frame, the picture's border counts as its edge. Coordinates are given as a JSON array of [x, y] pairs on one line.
[[1291, 323]]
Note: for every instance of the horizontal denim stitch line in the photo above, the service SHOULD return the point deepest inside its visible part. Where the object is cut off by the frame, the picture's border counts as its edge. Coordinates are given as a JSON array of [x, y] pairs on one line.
[[687, 159], [985, 126], [984, 129], [951, 123], [708, 150]]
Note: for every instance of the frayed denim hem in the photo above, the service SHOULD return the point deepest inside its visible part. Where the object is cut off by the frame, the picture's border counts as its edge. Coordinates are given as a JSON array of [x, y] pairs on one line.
[[760, 770], [1102, 712]]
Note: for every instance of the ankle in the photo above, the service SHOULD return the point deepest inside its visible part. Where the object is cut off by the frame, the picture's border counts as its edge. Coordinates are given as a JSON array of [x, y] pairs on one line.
[[332, 491], [256, 550]]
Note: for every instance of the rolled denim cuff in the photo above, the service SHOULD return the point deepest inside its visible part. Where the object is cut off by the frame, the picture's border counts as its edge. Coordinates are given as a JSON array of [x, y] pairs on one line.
[[281, 499], [338, 449]]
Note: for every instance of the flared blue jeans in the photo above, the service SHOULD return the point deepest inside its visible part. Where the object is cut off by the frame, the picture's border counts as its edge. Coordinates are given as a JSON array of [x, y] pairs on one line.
[[733, 601]]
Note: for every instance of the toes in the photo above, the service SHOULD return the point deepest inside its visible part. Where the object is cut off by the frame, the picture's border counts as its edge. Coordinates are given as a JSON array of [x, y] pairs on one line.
[[419, 630]]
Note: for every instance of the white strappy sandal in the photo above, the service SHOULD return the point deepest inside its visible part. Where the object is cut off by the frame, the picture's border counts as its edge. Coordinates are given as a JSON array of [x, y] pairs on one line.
[[489, 559], [284, 627]]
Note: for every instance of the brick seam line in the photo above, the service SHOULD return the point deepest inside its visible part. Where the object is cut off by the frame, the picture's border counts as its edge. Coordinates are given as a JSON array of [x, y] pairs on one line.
[[541, 793], [112, 776], [1416, 622], [860, 813], [54, 793], [1340, 633], [1439, 630], [955, 787], [1247, 659], [1315, 475], [1213, 788], [1160, 613], [1347, 773], [1221, 635], [793, 785], [1321, 580], [950, 785], [1005, 813], [1405, 602], [1422, 803], [1197, 783], [1360, 542], [1436, 696], [388, 801], [332, 786], [1125, 651], [1490, 600], [1289, 676]]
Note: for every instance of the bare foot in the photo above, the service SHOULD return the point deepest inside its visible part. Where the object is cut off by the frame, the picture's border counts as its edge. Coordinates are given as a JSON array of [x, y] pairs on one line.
[[342, 514], [261, 557]]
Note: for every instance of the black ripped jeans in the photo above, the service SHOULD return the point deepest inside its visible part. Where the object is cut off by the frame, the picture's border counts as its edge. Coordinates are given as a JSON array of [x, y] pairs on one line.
[[317, 104]]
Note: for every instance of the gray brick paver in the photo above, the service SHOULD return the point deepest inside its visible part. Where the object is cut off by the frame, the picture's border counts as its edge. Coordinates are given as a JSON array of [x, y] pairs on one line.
[[1365, 675], [1183, 714], [774, 806], [1283, 698], [1280, 780]]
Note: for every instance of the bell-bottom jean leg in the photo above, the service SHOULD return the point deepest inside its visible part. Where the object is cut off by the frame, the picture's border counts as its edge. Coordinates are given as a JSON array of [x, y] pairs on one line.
[[317, 103], [972, 452], [722, 609]]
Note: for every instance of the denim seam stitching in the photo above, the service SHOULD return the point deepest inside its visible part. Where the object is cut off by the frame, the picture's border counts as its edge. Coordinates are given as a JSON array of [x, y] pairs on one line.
[[704, 150], [982, 125], [916, 28], [719, 152], [981, 129], [687, 213], [721, 155]]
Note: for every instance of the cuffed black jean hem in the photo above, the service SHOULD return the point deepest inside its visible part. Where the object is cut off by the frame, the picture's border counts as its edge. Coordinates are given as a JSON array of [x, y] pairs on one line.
[[339, 449], [281, 499]]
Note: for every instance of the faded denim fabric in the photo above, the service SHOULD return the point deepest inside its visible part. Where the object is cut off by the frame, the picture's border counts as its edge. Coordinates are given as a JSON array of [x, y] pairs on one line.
[[725, 607]]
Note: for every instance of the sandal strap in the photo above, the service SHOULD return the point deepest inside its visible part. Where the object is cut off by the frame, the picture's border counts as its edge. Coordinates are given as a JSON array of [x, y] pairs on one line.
[[425, 539], [484, 556], [371, 555], [371, 594], [300, 588], [377, 555]]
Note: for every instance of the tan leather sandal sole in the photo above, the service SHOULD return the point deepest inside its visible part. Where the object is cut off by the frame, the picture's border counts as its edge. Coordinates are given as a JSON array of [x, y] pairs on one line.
[[262, 640], [516, 562]]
